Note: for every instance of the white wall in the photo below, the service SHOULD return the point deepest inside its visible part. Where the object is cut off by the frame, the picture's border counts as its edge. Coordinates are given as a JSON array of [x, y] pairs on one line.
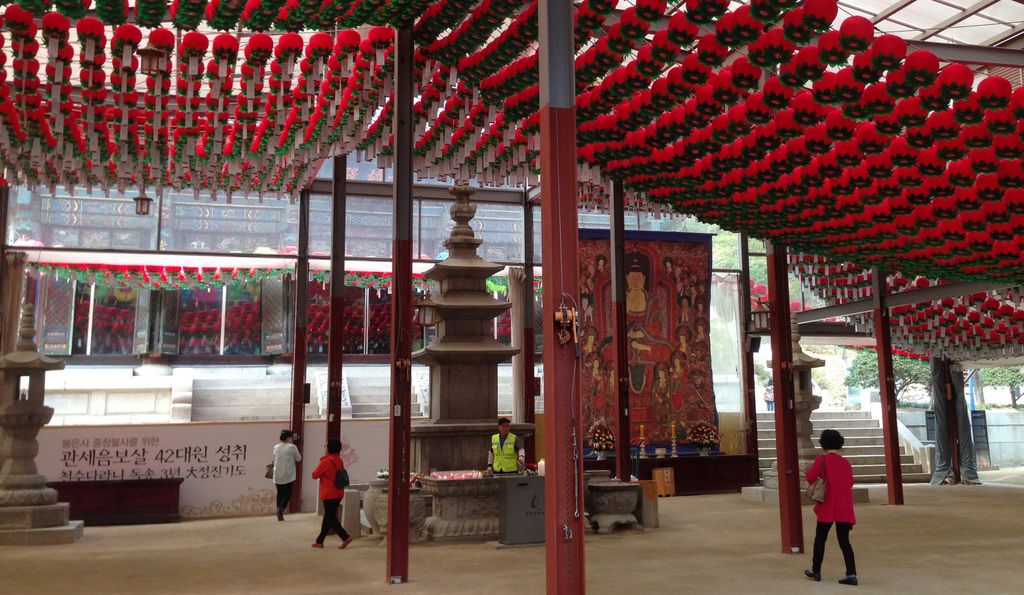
[[222, 463]]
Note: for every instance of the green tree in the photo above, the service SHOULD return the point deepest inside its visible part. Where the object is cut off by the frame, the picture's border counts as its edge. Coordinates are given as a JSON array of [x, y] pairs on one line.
[[1009, 377], [864, 371]]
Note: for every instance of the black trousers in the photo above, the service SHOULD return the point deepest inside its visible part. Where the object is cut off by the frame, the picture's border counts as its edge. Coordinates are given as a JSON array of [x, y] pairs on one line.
[[843, 534], [331, 521], [284, 494]]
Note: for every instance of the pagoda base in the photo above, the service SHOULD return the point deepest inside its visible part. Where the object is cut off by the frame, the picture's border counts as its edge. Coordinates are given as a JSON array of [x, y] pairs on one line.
[[450, 446], [38, 525]]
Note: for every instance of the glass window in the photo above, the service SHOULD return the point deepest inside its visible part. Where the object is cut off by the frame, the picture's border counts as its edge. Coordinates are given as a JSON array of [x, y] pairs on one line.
[[501, 228], [321, 217], [318, 316], [113, 320], [536, 234], [200, 322], [503, 323], [355, 320], [974, 30], [434, 226], [262, 226], [242, 320], [379, 335], [368, 227], [1008, 11], [366, 170], [78, 219], [80, 325], [924, 14]]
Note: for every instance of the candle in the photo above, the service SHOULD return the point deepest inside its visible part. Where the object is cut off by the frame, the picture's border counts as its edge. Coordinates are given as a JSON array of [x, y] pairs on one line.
[[673, 436], [540, 467], [641, 430]]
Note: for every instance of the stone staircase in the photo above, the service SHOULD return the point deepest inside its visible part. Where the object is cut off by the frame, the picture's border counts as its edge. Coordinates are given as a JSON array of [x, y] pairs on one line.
[[248, 399], [864, 447], [371, 395]]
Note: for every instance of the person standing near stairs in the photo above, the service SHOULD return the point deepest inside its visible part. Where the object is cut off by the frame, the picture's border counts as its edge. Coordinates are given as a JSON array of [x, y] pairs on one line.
[[286, 454], [837, 507]]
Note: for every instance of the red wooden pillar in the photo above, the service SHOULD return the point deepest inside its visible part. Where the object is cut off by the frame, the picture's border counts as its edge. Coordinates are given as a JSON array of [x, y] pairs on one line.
[[529, 332], [300, 307], [563, 433], [617, 244], [336, 344], [785, 411], [401, 316], [887, 387]]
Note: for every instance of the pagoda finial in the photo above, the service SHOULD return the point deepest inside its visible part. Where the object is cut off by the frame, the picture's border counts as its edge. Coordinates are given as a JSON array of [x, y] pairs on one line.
[[27, 330], [462, 212]]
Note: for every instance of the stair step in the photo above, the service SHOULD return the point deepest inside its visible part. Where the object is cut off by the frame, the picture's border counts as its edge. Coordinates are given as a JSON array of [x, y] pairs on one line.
[[824, 424], [912, 477], [871, 459], [242, 397], [864, 436], [377, 409], [248, 413], [770, 415]]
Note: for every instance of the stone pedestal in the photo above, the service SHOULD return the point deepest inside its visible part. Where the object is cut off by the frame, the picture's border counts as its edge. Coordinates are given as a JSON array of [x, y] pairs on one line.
[[612, 503], [449, 446], [463, 508], [375, 506], [29, 512]]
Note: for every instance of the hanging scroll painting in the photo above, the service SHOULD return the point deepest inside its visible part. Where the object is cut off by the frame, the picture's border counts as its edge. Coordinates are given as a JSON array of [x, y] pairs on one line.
[[668, 284]]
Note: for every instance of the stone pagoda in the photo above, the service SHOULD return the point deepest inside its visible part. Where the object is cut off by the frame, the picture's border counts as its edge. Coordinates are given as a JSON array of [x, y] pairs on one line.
[[29, 511], [804, 404], [464, 357]]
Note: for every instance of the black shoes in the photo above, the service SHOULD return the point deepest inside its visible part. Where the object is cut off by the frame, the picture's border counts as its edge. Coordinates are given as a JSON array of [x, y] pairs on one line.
[[850, 580], [814, 576], [280, 514]]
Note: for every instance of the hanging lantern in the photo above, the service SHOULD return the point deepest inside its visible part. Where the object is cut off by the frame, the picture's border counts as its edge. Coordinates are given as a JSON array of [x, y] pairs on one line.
[[760, 318], [143, 204], [151, 60], [427, 312]]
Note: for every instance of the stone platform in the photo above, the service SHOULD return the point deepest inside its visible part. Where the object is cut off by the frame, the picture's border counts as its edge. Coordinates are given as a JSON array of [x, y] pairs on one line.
[[38, 525], [769, 496], [463, 508]]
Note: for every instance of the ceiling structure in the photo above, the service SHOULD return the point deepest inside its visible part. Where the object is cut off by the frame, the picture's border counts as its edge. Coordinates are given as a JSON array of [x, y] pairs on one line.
[[822, 126]]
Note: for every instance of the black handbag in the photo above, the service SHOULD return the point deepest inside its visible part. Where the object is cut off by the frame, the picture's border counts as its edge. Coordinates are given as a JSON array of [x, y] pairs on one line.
[[341, 479], [270, 471]]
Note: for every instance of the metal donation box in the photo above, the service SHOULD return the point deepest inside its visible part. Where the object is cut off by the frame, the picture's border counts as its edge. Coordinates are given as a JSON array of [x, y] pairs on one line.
[[521, 502]]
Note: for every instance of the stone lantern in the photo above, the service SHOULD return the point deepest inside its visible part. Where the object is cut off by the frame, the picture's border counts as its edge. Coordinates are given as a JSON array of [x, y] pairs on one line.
[[804, 403], [29, 511]]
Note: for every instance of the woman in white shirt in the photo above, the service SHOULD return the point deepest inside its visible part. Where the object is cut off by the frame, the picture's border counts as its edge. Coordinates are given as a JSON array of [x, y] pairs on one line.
[[286, 454]]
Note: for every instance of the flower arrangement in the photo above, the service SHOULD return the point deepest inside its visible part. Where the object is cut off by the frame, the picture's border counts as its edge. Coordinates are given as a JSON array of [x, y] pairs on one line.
[[383, 474], [704, 435], [600, 436]]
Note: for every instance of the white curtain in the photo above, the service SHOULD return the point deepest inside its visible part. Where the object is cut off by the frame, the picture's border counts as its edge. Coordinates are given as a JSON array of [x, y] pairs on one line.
[[10, 305], [516, 281]]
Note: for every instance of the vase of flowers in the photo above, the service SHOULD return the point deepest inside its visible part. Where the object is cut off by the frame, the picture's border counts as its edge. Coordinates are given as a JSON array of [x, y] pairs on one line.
[[601, 439], [703, 435]]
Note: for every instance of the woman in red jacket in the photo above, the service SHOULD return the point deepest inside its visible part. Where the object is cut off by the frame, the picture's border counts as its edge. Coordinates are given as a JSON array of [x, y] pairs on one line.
[[837, 507], [328, 468]]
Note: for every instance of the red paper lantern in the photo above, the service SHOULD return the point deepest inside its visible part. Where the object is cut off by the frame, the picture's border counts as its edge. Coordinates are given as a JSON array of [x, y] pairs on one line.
[[955, 81], [856, 33]]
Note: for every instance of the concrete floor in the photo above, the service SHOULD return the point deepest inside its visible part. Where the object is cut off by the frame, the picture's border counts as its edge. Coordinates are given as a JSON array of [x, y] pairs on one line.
[[952, 539]]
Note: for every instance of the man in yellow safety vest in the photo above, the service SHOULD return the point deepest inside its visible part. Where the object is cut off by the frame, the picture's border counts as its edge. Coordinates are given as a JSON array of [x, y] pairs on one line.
[[507, 454]]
